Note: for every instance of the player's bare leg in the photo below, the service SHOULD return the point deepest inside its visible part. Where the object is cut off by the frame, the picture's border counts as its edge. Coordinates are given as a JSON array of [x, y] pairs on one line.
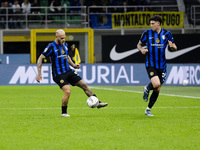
[[89, 92], [156, 83], [85, 88], [65, 99]]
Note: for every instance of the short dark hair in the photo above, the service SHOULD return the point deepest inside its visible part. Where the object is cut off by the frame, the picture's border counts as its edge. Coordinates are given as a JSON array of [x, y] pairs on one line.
[[156, 18]]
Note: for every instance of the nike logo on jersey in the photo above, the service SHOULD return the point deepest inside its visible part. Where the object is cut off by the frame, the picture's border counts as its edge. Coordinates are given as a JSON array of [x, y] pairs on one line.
[[115, 56], [174, 54]]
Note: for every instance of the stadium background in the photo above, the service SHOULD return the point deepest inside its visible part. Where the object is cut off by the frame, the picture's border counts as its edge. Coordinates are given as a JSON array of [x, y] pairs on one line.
[[30, 115], [117, 23]]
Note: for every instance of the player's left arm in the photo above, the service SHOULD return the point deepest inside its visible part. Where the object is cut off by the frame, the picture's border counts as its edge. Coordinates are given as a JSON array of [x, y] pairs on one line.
[[172, 45], [76, 66]]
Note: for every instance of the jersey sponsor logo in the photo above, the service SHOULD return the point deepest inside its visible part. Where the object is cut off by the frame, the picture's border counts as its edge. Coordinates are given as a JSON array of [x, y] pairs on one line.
[[115, 56], [158, 45], [65, 56]]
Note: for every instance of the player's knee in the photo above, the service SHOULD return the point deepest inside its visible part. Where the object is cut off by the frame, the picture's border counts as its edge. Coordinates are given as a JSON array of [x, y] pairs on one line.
[[67, 91], [157, 90], [156, 85]]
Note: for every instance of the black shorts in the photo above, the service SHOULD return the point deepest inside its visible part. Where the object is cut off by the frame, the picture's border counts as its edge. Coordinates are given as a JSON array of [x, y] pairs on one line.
[[152, 72], [70, 77]]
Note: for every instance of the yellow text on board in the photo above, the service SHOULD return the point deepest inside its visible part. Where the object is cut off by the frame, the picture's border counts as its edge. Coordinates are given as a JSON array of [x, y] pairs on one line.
[[141, 19]]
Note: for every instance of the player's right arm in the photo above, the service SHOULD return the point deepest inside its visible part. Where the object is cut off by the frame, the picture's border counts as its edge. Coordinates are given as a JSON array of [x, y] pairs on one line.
[[76, 66], [39, 67], [141, 49]]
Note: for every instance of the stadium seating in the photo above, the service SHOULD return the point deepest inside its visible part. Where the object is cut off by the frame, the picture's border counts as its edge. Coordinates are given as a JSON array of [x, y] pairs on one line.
[[76, 19], [190, 11], [163, 3]]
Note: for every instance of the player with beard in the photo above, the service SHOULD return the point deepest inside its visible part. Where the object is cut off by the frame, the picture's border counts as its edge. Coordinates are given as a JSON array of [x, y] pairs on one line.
[[63, 75]]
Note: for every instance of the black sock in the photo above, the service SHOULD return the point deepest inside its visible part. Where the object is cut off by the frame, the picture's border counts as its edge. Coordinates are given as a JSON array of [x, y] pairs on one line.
[[153, 99], [150, 86], [96, 96], [64, 109]]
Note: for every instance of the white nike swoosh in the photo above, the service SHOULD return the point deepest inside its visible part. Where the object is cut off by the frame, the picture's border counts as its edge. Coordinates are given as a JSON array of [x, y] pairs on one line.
[[172, 55], [118, 56]]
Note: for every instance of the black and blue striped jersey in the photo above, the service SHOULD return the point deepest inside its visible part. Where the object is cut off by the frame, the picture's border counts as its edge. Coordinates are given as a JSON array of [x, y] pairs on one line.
[[156, 44], [58, 55]]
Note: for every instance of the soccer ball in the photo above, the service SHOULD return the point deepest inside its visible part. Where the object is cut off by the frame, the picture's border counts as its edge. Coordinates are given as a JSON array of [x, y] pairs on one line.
[[92, 102], [185, 82]]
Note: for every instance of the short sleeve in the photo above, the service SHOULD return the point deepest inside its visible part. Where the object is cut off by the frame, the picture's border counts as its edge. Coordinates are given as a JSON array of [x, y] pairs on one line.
[[48, 50], [171, 37], [143, 37]]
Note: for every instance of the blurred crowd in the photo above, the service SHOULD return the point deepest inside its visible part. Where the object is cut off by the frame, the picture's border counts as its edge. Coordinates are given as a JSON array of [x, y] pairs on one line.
[[137, 3], [17, 7]]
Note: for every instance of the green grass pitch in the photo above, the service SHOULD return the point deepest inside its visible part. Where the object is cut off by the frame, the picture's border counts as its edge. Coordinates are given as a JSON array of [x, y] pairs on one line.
[[30, 119]]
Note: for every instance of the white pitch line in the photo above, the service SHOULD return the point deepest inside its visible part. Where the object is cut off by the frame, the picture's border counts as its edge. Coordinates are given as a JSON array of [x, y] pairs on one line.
[[196, 107], [142, 92]]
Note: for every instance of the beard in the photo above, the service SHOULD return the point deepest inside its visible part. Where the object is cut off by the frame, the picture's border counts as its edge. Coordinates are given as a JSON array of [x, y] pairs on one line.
[[60, 42]]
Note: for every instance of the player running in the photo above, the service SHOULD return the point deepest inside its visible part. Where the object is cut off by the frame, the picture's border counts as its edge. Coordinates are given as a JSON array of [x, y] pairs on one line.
[[156, 40]]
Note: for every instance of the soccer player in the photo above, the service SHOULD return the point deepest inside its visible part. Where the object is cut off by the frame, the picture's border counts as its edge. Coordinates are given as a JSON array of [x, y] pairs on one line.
[[156, 40], [62, 74]]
